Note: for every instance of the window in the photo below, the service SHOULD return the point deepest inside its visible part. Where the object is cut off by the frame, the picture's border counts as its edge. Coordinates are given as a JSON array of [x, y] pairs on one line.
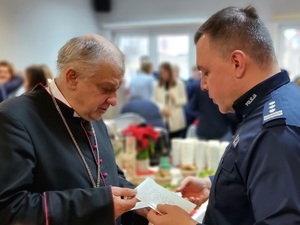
[[174, 49], [160, 44], [290, 50], [133, 47]]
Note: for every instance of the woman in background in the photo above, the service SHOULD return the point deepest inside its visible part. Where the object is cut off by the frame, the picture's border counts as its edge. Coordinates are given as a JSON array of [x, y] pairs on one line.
[[34, 75], [9, 81], [170, 95]]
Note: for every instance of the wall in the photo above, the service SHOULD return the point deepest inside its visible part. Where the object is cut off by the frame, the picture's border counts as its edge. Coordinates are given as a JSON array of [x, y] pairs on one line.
[[126, 12], [137, 10], [32, 31]]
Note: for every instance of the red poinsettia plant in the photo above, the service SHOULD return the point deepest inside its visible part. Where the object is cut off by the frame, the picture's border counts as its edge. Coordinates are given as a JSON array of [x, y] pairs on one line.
[[146, 138]]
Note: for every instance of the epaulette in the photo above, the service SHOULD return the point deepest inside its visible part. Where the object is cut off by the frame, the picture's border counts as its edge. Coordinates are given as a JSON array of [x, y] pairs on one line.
[[273, 114]]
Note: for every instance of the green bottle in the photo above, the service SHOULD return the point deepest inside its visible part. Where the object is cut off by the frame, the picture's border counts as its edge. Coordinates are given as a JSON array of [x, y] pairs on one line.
[[164, 161]]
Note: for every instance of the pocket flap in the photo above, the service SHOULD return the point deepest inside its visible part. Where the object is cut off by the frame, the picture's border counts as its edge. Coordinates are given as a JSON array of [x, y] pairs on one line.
[[228, 161]]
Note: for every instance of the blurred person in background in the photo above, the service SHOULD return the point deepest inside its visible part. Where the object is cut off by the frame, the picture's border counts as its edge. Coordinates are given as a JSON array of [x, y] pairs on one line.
[[145, 108], [170, 96], [140, 95], [141, 84], [176, 71], [9, 81], [33, 76], [47, 72], [57, 164], [192, 85], [176, 74]]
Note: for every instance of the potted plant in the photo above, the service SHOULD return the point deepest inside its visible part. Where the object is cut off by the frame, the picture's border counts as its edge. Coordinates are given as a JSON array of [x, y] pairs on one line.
[[146, 137]]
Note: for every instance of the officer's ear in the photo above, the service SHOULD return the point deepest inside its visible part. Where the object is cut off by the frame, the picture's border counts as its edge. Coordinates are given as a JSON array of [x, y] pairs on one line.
[[71, 78], [238, 60]]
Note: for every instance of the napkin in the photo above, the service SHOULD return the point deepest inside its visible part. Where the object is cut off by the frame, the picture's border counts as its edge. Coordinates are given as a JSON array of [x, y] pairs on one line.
[[214, 154], [175, 153], [187, 152], [201, 154]]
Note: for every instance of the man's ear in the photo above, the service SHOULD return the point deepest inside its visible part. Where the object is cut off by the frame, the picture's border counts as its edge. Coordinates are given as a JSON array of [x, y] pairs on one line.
[[238, 59], [71, 78]]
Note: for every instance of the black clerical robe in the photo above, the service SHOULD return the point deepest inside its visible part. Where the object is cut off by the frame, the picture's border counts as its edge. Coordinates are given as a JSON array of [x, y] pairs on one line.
[[43, 180]]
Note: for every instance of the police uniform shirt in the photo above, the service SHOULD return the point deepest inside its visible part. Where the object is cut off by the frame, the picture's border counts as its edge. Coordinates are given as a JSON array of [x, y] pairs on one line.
[[258, 179]]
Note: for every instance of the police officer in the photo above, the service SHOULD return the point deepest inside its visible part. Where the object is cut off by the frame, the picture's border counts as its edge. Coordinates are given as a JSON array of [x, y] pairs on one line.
[[257, 181]]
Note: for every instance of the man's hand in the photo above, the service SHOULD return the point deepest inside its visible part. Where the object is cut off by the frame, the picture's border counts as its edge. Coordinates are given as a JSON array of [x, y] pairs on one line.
[[172, 215], [195, 189], [124, 200], [143, 212]]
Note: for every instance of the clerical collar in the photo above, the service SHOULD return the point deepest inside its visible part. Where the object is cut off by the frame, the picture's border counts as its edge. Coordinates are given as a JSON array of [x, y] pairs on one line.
[[58, 95], [248, 101]]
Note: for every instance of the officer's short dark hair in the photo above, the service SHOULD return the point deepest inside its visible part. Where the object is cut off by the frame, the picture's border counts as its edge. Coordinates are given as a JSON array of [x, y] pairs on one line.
[[236, 28]]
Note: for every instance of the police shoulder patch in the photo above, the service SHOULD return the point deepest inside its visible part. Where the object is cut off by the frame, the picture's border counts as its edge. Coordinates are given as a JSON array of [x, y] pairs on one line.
[[273, 110]]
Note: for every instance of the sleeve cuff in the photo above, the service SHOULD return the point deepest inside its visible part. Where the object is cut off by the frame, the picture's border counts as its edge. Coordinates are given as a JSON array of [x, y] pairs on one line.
[[212, 178]]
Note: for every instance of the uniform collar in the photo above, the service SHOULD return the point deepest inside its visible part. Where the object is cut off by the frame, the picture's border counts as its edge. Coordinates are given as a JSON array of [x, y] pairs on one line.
[[248, 101]]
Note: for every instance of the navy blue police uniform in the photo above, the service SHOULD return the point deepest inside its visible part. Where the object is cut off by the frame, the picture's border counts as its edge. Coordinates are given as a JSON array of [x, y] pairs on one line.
[[258, 179]]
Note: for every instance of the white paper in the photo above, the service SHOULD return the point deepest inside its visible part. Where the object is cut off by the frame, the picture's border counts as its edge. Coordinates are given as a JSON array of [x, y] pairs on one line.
[[152, 194], [200, 212], [139, 205]]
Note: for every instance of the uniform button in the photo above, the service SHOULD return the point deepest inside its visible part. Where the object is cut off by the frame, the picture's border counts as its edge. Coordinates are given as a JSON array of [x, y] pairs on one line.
[[95, 147], [99, 161], [90, 133], [105, 175]]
